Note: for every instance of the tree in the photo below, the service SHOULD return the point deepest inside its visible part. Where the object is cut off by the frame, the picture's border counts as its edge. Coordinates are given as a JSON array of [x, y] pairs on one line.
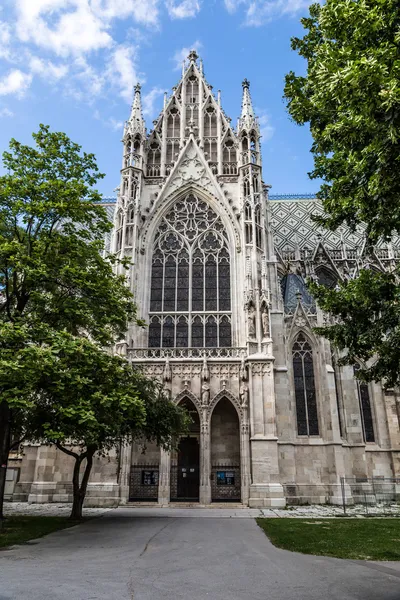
[[52, 277], [350, 96], [88, 401]]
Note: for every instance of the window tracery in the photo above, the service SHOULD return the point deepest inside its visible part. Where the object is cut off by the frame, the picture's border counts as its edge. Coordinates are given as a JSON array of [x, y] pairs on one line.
[[190, 302], [154, 160], [304, 386]]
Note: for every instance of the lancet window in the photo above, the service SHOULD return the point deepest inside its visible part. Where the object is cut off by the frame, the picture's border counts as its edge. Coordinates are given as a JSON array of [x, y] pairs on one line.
[[229, 158], [190, 302], [304, 386], [367, 421], [154, 160]]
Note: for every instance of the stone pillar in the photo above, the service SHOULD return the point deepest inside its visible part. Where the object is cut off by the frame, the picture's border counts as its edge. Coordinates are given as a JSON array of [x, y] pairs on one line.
[[125, 471], [265, 489], [164, 478], [245, 459], [44, 485], [205, 460]]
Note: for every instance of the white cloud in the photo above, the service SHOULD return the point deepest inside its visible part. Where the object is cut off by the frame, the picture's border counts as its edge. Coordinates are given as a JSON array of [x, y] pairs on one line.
[[63, 26], [5, 38], [182, 54], [184, 9], [111, 122], [266, 129], [122, 70], [47, 69], [16, 82], [259, 12], [149, 101], [85, 82], [5, 112]]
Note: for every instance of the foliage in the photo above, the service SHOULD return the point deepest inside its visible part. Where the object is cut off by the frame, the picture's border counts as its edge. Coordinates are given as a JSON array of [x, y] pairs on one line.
[[356, 539], [87, 400], [52, 273], [350, 96]]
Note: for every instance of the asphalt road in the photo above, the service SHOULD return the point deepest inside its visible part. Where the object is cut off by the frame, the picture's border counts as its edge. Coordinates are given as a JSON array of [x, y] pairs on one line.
[[123, 556]]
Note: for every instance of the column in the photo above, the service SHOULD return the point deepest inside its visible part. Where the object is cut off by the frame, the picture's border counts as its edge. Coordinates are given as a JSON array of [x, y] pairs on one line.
[[245, 459], [125, 471], [44, 485], [205, 460], [164, 477], [265, 488]]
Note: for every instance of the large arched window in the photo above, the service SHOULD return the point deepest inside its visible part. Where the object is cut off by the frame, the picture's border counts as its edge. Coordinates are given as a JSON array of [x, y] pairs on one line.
[[190, 302], [367, 421], [304, 386]]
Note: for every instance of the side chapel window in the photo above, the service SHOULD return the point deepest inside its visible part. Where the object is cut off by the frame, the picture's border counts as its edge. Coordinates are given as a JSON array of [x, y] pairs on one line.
[[365, 409], [304, 386], [190, 301]]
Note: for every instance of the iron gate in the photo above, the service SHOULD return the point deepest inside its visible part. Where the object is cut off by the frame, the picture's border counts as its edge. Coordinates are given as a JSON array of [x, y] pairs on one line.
[[143, 483], [225, 483]]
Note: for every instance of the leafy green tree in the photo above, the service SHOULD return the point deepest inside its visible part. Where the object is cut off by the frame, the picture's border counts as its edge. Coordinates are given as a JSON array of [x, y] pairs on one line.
[[88, 401], [350, 96], [50, 276]]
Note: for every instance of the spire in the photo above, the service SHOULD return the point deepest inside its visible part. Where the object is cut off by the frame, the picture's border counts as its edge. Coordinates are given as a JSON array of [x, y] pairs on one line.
[[247, 119], [136, 121], [247, 107]]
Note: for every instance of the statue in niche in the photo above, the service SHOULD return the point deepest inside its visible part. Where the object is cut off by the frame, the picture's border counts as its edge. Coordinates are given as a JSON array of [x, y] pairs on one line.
[[205, 394], [244, 395], [265, 321], [251, 320]]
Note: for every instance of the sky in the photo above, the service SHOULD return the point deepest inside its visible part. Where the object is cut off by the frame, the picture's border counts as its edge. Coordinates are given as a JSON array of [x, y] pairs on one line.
[[72, 64]]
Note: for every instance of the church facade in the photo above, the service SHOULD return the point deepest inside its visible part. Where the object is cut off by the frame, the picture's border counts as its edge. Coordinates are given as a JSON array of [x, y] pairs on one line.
[[219, 270]]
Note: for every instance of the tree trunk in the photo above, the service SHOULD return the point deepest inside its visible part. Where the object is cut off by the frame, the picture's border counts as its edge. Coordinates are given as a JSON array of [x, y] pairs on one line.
[[5, 438], [80, 488]]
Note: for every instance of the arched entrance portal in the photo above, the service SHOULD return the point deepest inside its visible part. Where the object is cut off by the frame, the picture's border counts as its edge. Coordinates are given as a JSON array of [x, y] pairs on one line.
[[225, 453], [185, 461]]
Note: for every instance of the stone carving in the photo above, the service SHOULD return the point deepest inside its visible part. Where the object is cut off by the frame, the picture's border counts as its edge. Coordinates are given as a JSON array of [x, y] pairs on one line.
[[224, 370], [265, 321], [243, 371], [205, 395], [244, 395], [205, 372], [167, 374], [251, 320]]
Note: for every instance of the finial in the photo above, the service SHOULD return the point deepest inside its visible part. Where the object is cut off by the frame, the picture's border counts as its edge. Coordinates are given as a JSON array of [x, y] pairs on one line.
[[201, 66], [245, 83], [165, 99], [219, 97], [193, 56], [138, 87]]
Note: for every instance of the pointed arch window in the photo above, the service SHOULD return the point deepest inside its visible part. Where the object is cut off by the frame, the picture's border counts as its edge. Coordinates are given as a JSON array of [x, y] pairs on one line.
[[190, 300], [367, 421], [304, 387]]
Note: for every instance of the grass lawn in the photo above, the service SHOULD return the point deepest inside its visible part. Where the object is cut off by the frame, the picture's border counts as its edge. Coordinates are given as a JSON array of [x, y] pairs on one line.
[[367, 539], [20, 529]]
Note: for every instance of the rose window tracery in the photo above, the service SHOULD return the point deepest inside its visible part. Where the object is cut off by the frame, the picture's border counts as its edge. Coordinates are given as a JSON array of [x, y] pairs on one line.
[[190, 302]]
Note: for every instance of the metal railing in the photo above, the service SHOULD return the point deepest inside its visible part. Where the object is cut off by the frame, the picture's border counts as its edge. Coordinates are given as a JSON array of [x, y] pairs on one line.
[[350, 496]]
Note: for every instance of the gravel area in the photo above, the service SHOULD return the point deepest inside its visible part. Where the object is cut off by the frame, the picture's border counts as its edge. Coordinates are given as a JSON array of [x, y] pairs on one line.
[[51, 510], [316, 511]]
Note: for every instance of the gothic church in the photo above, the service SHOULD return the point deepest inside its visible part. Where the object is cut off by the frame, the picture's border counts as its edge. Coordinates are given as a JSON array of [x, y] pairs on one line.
[[218, 275]]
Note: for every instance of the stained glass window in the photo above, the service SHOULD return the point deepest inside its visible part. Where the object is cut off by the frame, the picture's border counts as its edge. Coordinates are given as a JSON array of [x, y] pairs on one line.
[[304, 385], [365, 409], [190, 299]]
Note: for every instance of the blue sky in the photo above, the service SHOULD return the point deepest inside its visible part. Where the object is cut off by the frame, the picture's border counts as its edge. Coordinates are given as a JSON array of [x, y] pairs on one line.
[[72, 64]]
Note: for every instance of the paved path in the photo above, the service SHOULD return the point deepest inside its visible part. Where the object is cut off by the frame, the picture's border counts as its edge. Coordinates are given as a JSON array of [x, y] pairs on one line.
[[135, 555]]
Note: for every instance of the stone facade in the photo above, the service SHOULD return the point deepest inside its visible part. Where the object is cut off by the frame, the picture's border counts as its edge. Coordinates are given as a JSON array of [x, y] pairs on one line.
[[218, 273]]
